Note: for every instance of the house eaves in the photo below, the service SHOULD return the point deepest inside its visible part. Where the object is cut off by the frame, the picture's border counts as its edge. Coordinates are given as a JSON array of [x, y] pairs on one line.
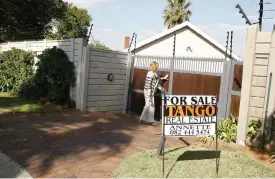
[[181, 26]]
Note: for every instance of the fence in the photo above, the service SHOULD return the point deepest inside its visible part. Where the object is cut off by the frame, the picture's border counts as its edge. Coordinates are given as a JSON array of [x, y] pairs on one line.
[[72, 47], [93, 91], [104, 94], [190, 76]]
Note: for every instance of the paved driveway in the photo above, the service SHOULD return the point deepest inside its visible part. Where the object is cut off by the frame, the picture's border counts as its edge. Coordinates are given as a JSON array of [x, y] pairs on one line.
[[73, 144]]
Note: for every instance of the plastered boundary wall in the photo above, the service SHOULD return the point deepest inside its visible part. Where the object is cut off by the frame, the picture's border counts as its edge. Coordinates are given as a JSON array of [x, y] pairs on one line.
[[93, 90], [103, 94], [258, 64], [72, 47]]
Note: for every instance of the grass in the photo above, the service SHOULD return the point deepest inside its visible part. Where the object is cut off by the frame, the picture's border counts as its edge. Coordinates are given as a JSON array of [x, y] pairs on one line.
[[11, 104], [192, 162]]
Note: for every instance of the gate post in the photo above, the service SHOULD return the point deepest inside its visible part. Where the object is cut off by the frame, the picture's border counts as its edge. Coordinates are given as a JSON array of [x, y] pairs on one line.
[[171, 76], [82, 88], [223, 96], [229, 89], [128, 82]]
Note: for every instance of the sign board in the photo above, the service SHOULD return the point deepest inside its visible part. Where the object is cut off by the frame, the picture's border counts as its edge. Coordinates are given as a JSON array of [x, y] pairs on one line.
[[189, 115]]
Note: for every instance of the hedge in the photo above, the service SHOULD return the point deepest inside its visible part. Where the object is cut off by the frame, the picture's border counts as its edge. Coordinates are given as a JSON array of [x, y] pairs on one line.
[[16, 66]]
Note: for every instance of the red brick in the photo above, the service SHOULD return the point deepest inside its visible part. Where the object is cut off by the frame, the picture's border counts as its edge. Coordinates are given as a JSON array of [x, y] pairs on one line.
[[91, 151], [83, 175]]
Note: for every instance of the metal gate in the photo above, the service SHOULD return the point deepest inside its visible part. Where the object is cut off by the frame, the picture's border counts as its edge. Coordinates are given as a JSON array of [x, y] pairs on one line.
[[189, 76]]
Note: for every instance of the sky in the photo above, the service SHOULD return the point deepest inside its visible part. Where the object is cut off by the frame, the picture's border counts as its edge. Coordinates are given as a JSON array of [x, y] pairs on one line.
[[115, 19]]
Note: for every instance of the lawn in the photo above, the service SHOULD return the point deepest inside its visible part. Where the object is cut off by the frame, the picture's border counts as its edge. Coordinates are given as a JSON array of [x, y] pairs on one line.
[[9, 104], [192, 162]]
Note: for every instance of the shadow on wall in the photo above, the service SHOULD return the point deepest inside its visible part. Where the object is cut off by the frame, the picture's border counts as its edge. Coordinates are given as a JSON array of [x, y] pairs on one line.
[[40, 142], [268, 138], [270, 127]]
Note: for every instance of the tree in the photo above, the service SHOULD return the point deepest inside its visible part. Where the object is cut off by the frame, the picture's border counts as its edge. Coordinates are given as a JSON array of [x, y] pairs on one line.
[[176, 12], [28, 19], [74, 24], [100, 46]]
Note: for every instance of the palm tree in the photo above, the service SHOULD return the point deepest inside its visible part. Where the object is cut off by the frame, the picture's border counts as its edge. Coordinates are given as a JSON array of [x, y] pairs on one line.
[[176, 12]]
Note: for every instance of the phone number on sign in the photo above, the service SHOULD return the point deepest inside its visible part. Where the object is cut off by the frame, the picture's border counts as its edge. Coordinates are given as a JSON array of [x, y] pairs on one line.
[[178, 130], [189, 132]]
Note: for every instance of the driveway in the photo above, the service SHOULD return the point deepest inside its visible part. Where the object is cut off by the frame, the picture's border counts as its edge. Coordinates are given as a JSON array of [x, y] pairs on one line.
[[73, 144]]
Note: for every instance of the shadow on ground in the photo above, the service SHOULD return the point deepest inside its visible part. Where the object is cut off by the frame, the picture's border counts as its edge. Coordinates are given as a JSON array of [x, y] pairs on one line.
[[41, 142], [197, 155]]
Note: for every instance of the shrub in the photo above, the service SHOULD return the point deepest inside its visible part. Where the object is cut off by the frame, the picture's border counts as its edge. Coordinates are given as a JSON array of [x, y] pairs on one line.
[[54, 77], [15, 67], [227, 130], [254, 135], [254, 128], [30, 90]]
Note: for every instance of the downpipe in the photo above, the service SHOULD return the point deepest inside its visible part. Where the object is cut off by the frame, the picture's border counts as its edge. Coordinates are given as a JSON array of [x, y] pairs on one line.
[[266, 110]]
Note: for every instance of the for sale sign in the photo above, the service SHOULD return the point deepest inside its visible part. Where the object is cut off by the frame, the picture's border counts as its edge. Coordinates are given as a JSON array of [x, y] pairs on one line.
[[189, 115]]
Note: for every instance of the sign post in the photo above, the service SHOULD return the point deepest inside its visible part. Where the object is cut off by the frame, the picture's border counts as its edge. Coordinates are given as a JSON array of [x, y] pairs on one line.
[[188, 116], [163, 130]]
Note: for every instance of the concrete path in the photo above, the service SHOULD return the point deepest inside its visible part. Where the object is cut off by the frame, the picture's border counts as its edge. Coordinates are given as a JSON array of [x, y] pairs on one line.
[[10, 169]]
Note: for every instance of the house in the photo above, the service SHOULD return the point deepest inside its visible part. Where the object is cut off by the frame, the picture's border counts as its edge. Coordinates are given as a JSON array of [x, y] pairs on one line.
[[190, 42]]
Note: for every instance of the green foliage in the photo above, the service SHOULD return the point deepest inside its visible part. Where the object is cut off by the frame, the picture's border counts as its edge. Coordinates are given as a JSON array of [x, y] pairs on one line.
[[272, 154], [16, 67], [74, 24], [53, 79], [254, 128], [98, 45], [204, 139], [272, 157], [14, 104], [30, 90], [227, 130], [176, 12], [55, 75], [25, 19]]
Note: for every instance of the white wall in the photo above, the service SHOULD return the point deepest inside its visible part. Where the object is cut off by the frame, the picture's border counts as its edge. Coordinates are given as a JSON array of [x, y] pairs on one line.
[[93, 92], [259, 62], [102, 94], [72, 47], [184, 38]]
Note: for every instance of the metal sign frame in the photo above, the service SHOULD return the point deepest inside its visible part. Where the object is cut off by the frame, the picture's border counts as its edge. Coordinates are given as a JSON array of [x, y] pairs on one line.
[[161, 147]]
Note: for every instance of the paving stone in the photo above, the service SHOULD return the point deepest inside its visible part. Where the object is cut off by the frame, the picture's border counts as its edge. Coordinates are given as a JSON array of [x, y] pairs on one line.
[[84, 175], [62, 171], [93, 150]]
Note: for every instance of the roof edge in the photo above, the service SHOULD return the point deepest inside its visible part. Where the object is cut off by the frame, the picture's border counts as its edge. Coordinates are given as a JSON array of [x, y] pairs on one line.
[[178, 27]]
